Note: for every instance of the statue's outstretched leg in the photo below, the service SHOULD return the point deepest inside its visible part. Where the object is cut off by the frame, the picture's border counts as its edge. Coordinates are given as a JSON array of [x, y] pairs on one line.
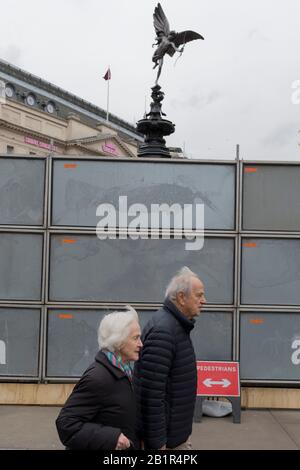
[[159, 70]]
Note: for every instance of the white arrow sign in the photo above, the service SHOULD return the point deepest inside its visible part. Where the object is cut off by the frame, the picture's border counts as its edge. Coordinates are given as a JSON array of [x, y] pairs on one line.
[[209, 383]]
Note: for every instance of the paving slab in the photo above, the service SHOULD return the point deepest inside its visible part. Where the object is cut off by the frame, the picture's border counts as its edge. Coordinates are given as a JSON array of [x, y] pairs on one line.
[[290, 422], [33, 427], [29, 427], [287, 416], [258, 430]]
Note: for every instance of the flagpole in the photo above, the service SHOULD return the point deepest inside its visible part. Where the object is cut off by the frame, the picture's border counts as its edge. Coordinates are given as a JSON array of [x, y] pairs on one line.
[[107, 108], [107, 77]]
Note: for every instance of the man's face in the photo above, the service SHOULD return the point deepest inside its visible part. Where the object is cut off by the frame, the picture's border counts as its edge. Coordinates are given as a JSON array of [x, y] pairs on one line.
[[191, 304]]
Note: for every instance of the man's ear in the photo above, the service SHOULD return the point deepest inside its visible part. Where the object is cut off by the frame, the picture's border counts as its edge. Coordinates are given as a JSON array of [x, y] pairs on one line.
[[181, 298]]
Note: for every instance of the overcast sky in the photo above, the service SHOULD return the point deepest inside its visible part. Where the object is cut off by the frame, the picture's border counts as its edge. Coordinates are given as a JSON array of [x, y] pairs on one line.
[[233, 88]]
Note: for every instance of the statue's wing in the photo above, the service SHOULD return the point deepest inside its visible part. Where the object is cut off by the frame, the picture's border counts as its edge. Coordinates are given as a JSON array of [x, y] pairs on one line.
[[161, 24], [186, 36]]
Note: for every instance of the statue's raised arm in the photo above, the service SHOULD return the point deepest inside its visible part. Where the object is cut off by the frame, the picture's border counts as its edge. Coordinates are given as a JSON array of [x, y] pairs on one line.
[[167, 41]]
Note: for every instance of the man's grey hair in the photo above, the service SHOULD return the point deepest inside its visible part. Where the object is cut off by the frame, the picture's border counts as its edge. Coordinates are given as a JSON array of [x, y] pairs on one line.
[[181, 282], [114, 329]]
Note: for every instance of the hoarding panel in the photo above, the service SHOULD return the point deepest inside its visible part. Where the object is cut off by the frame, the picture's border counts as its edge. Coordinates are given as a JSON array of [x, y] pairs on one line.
[[80, 186], [21, 191], [72, 338], [212, 336], [19, 342], [270, 346], [270, 271], [84, 268], [271, 196], [21, 256], [71, 341]]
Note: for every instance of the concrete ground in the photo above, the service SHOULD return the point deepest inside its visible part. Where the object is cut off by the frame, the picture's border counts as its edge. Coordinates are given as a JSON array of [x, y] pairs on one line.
[[33, 427]]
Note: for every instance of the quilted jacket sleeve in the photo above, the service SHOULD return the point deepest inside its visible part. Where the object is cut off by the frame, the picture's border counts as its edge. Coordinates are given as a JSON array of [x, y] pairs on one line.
[[74, 426], [155, 365]]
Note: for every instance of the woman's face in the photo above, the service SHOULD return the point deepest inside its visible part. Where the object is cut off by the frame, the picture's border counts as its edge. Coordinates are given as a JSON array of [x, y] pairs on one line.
[[131, 348]]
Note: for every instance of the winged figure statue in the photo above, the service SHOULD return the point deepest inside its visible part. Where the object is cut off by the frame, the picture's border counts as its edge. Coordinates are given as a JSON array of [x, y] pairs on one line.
[[167, 41]]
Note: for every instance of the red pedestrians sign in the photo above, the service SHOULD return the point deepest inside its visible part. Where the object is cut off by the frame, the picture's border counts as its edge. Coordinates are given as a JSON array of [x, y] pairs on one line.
[[218, 378]]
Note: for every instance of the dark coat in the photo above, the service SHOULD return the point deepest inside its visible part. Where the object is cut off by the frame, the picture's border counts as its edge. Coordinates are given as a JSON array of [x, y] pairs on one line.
[[101, 406], [165, 379]]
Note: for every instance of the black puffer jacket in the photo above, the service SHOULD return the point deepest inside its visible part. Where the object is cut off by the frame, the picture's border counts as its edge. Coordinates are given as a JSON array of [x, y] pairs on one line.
[[101, 406], [165, 379]]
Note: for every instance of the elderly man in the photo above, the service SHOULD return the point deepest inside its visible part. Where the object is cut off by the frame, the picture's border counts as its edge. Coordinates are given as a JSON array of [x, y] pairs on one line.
[[165, 376]]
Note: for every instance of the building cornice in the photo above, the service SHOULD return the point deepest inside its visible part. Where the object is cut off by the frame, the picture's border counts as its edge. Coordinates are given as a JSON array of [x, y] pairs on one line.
[[99, 138], [37, 113], [92, 139], [100, 153], [24, 131], [61, 143]]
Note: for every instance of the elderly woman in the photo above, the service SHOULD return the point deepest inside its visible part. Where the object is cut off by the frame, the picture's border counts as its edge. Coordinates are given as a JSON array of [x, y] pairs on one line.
[[100, 413]]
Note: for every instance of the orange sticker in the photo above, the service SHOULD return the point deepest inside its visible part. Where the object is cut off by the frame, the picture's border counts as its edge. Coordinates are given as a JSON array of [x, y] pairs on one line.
[[250, 170], [256, 321], [65, 316], [70, 241], [250, 245], [70, 165]]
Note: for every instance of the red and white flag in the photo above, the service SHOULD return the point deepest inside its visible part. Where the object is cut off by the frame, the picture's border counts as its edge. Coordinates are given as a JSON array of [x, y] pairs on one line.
[[107, 76]]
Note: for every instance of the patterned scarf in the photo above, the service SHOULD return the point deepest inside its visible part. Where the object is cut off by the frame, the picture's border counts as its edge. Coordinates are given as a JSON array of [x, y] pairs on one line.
[[116, 360]]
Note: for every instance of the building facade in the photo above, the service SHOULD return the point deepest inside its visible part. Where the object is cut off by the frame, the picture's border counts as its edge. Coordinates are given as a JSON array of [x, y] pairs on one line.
[[38, 118]]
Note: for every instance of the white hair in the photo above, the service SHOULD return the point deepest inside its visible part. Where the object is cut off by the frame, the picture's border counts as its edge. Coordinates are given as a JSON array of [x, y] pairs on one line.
[[114, 329], [181, 282]]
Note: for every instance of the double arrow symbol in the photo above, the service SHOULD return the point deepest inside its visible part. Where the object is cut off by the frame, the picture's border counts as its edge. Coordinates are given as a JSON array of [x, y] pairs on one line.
[[224, 382]]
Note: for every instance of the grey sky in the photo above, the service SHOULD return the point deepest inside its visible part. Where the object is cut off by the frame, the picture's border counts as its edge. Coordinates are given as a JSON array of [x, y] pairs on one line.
[[234, 87]]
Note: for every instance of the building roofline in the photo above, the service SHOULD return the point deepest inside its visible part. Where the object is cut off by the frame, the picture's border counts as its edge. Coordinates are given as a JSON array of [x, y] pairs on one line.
[[32, 79]]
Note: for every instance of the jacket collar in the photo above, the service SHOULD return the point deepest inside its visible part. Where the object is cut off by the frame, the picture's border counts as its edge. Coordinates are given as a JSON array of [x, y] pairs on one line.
[[102, 359], [187, 324]]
